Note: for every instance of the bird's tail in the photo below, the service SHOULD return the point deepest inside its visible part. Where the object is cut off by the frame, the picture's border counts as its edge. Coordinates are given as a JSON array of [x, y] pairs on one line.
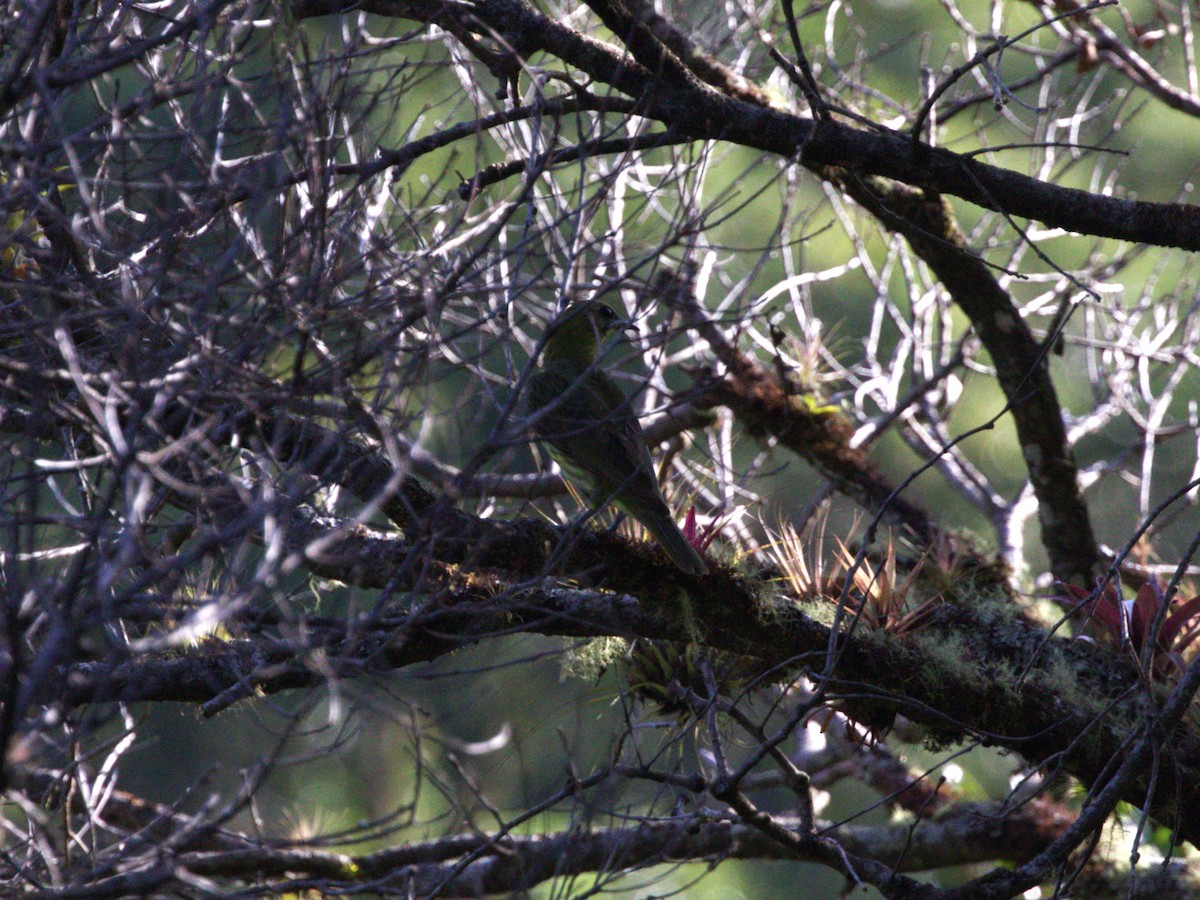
[[660, 524]]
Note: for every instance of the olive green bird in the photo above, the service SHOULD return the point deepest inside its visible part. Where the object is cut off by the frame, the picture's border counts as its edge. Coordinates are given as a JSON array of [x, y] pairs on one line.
[[590, 429]]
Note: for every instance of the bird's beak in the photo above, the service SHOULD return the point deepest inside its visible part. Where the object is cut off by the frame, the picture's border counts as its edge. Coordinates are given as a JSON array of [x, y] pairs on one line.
[[614, 331]]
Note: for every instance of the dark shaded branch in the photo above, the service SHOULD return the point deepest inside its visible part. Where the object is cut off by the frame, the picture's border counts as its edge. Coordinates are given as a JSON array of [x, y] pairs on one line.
[[698, 110], [765, 405], [954, 676], [468, 865], [927, 223]]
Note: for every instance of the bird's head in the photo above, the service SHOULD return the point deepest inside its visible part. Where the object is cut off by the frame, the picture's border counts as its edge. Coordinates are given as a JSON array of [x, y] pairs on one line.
[[577, 334]]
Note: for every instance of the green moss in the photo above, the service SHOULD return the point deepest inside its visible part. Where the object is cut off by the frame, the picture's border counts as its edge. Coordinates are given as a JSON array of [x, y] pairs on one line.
[[590, 660]]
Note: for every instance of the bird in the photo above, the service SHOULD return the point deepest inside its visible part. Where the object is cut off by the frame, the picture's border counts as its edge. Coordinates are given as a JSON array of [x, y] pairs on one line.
[[590, 429]]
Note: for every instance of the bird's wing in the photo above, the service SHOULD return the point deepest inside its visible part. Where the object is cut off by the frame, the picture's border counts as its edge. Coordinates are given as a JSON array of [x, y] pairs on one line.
[[593, 433], [629, 439], [591, 425]]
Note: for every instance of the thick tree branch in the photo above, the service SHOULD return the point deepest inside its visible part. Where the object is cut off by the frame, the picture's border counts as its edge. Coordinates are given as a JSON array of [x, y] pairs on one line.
[[698, 110], [956, 675], [470, 865], [1022, 370], [765, 405]]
